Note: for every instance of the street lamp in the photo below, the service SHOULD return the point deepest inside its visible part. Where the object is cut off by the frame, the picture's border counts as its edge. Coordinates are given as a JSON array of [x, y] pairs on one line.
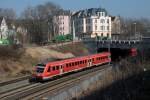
[[135, 28]]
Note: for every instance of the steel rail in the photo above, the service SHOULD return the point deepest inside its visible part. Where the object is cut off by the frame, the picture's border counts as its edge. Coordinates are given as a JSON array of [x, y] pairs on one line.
[[15, 91], [55, 88], [14, 80], [36, 89]]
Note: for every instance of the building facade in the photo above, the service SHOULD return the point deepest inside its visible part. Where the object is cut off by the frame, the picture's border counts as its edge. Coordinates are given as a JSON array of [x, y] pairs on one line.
[[92, 22], [116, 27], [61, 24], [3, 29]]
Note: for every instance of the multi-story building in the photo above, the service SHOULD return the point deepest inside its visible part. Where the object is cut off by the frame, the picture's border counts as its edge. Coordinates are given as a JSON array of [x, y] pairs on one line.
[[115, 27], [91, 23], [61, 23]]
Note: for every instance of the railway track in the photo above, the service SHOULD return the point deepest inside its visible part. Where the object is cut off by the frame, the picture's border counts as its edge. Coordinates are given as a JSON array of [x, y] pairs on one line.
[[14, 80], [12, 84], [39, 89]]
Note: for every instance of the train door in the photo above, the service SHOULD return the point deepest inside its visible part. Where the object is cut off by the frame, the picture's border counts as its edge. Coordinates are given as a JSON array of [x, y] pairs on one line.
[[61, 69], [89, 62]]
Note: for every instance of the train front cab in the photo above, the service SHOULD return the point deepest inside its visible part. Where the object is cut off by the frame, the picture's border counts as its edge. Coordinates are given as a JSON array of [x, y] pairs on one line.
[[39, 72]]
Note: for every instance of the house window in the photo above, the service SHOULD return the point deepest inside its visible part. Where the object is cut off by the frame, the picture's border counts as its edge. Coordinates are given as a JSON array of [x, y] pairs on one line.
[[107, 34], [107, 20], [102, 21], [101, 27], [88, 20], [102, 34], [88, 28], [95, 27], [95, 20], [107, 27], [103, 13]]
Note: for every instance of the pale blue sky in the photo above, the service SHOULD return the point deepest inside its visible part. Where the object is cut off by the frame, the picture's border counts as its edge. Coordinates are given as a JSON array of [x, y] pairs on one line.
[[125, 8]]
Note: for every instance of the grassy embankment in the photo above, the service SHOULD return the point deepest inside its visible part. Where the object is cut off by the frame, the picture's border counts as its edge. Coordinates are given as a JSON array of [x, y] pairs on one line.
[[126, 82], [18, 61]]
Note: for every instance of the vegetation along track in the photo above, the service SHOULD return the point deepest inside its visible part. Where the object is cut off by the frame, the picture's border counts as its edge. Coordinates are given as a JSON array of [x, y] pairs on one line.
[[37, 89]]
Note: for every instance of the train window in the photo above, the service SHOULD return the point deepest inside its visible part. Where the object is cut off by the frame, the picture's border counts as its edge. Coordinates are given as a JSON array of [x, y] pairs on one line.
[[80, 62], [49, 69], [40, 70], [61, 67], [43, 65], [69, 65], [57, 67], [89, 60], [72, 64], [92, 59], [76, 63], [53, 68], [85, 61]]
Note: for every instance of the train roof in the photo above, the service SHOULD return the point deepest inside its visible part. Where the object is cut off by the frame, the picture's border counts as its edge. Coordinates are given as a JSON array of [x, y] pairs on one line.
[[54, 63]]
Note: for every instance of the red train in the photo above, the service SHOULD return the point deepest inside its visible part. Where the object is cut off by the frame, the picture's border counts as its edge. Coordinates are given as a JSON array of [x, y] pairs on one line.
[[44, 71], [133, 52]]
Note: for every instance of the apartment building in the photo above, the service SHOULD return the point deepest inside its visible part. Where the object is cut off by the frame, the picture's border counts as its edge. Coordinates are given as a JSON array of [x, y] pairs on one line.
[[92, 22], [61, 24], [115, 27]]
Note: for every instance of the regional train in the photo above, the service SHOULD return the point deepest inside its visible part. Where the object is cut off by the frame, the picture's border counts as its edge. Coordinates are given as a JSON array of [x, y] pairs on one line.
[[49, 70]]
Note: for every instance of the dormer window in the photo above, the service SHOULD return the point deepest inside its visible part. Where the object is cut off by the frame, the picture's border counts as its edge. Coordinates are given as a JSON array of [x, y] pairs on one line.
[[103, 13], [99, 14]]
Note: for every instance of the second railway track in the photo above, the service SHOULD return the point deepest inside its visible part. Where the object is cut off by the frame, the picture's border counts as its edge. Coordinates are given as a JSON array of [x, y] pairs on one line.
[[12, 84], [38, 89]]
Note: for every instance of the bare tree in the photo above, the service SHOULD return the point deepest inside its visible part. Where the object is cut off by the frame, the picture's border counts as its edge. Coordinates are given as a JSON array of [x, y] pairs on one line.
[[8, 13], [132, 26], [40, 23]]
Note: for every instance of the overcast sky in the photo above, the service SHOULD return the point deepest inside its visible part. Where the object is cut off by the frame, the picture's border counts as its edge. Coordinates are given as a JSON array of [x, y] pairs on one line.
[[125, 8]]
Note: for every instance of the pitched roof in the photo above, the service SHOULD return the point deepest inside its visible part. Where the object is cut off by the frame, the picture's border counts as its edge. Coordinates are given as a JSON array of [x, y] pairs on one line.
[[90, 12]]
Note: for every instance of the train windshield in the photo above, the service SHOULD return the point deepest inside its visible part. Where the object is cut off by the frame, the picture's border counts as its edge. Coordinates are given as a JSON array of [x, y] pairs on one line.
[[40, 70]]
